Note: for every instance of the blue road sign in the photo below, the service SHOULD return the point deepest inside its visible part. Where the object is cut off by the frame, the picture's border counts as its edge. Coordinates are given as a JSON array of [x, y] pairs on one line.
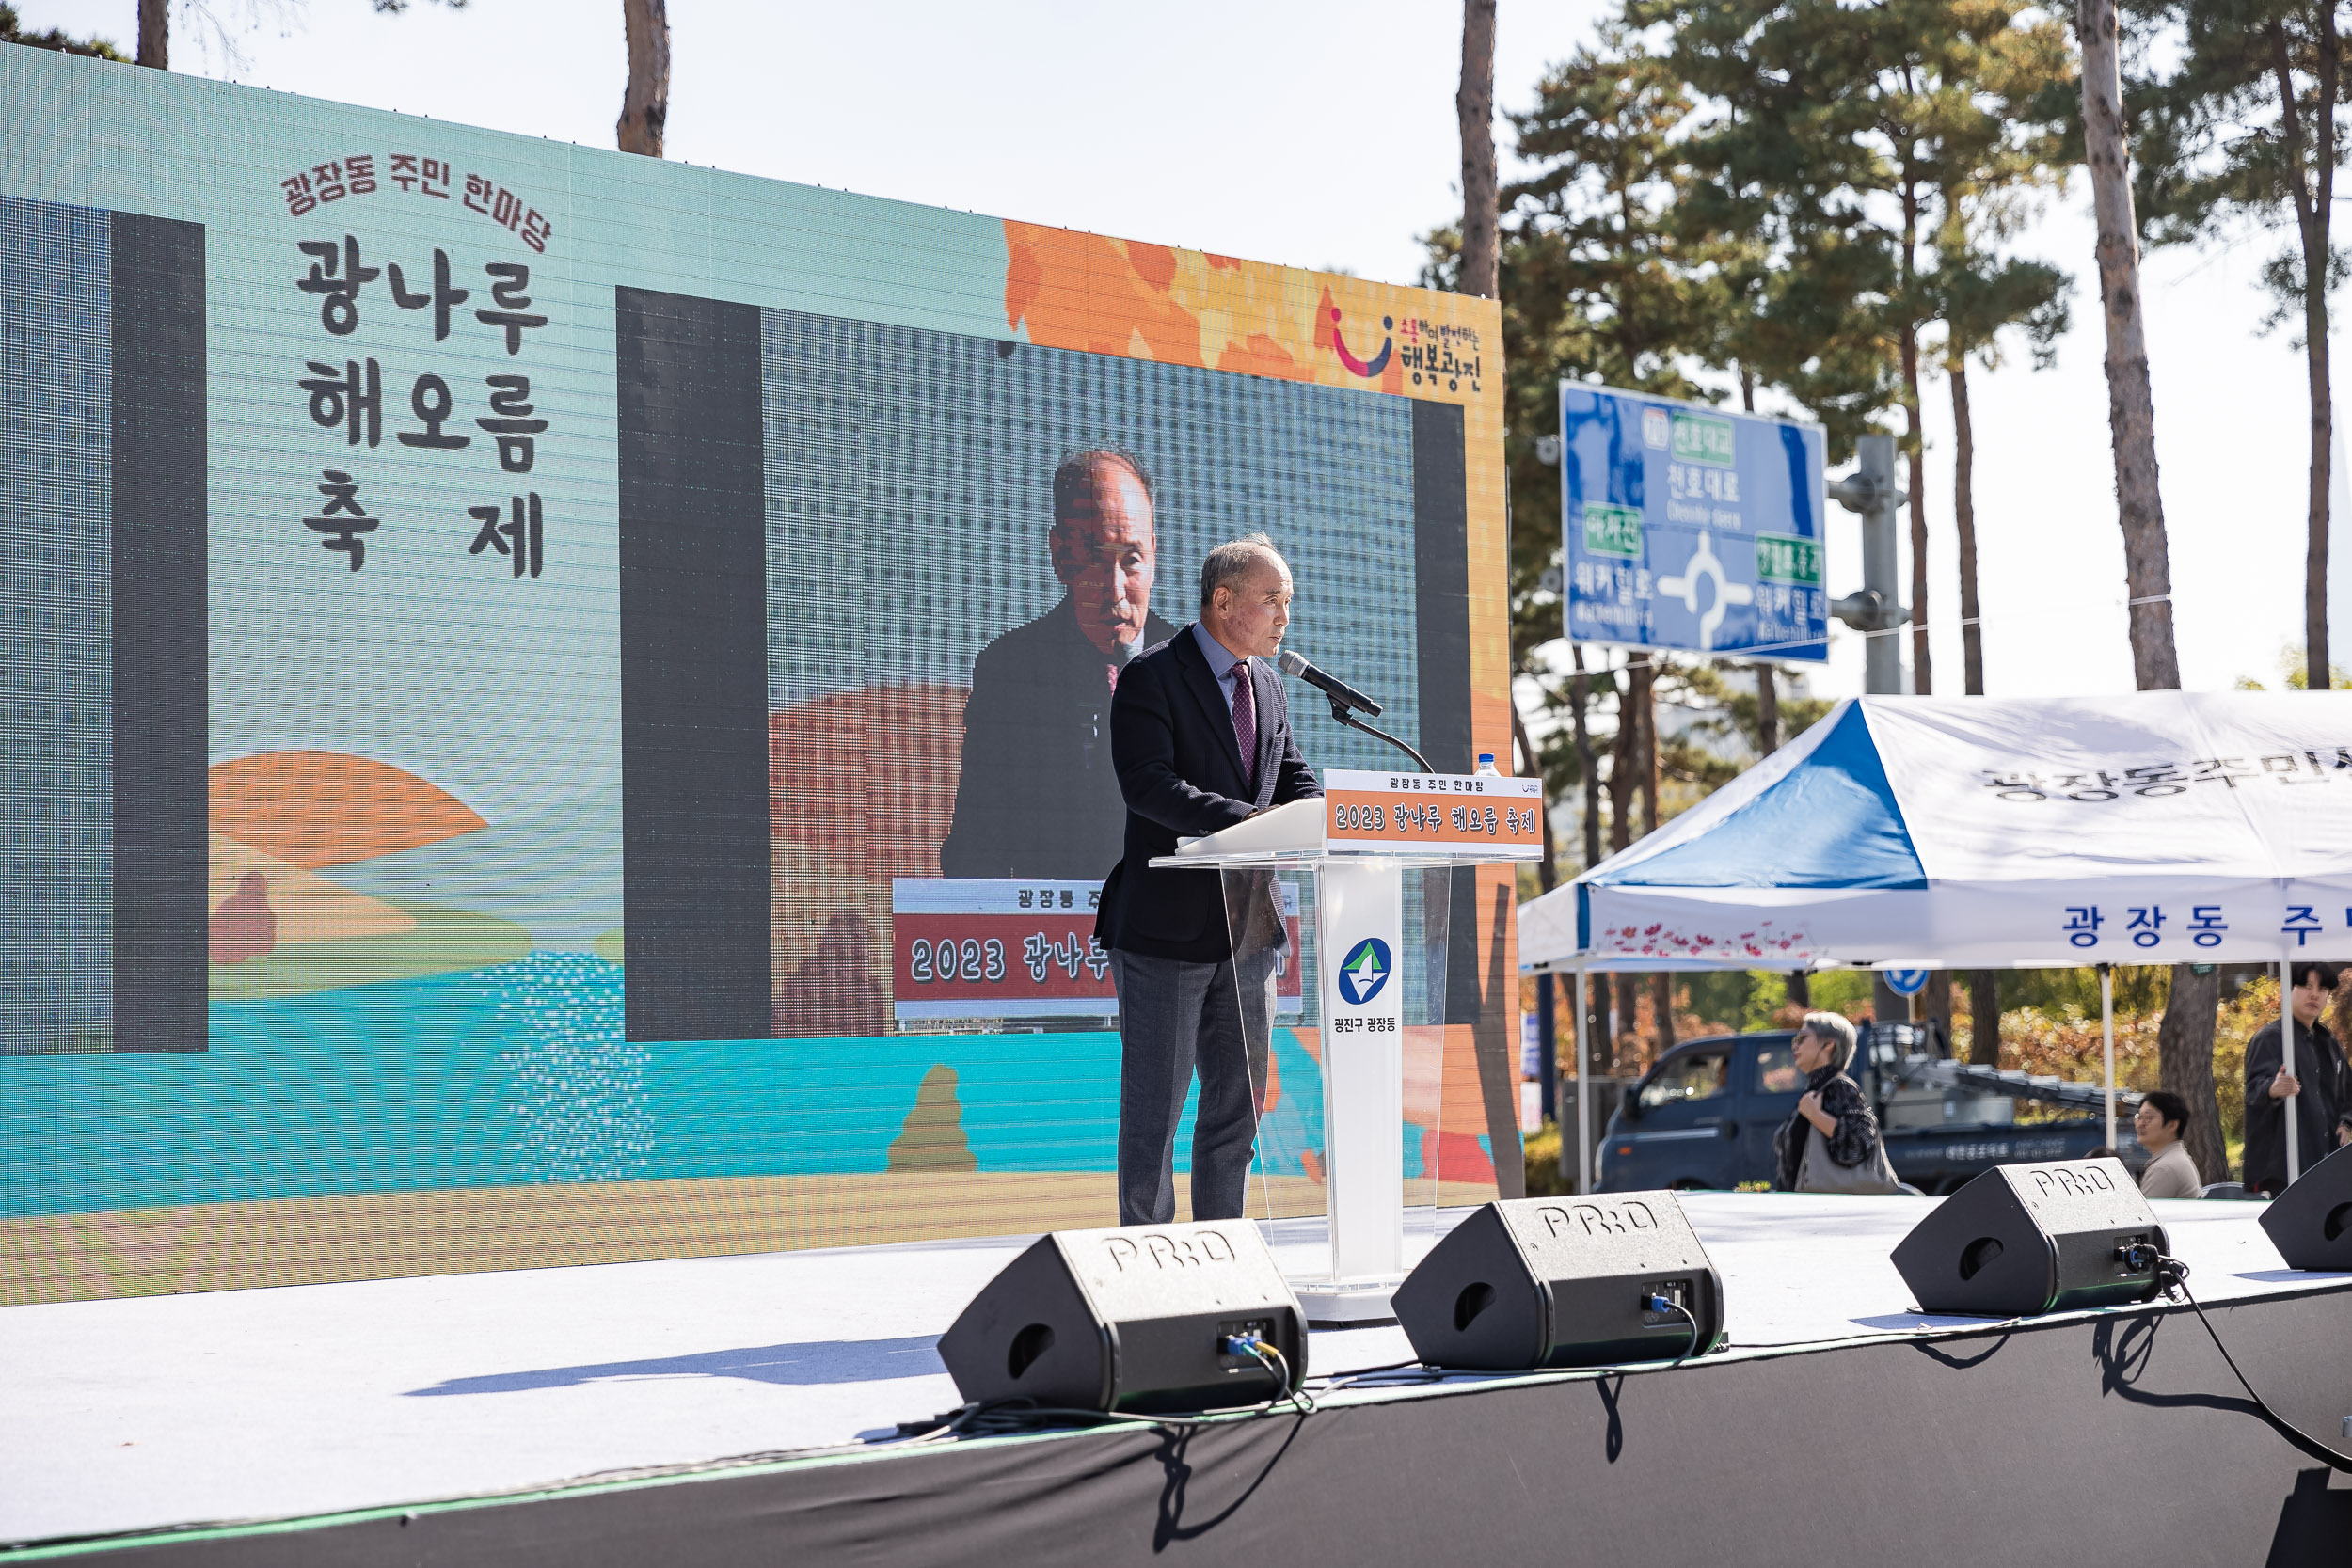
[[1691, 528], [1905, 982]]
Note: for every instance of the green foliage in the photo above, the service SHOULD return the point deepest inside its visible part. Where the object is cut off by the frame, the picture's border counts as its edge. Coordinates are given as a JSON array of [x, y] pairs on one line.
[[1766, 1001], [1841, 990], [1612, 278], [1540, 1150], [2247, 123], [2249, 126], [2294, 673], [2140, 988], [1797, 714], [12, 30], [1720, 1000], [1877, 155]]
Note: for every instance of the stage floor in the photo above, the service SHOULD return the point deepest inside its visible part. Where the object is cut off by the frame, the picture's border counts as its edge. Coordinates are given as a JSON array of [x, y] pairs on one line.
[[319, 1399]]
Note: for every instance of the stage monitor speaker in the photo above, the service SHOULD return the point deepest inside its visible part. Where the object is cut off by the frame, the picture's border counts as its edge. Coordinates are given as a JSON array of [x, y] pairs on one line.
[[2019, 1241], [1130, 1319], [2310, 1223], [1563, 1282]]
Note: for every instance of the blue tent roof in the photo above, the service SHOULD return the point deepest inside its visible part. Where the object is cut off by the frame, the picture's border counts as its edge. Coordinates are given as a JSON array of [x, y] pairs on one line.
[[1831, 822]]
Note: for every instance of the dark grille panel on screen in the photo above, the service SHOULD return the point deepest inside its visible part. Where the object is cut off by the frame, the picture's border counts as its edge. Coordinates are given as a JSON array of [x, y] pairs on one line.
[[55, 807], [102, 683], [693, 727], [1441, 586], [159, 642], [1476, 980]]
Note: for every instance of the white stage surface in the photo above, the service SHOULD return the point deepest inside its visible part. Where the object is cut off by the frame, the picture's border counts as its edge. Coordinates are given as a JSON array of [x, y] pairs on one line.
[[324, 1399]]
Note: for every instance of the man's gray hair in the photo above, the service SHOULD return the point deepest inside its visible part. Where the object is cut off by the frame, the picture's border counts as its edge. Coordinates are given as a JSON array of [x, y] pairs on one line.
[[1837, 1031], [1075, 478], [1232, 561]]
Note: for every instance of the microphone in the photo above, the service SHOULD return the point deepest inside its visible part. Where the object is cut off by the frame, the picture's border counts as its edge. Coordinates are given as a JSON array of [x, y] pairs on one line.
[[1294, 663]]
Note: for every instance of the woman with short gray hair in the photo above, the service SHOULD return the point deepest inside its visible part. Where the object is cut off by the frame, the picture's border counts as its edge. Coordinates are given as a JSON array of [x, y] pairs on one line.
[[1832, 1143]]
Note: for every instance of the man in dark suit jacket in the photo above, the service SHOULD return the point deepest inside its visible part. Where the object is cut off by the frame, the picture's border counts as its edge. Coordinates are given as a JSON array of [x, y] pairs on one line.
[[1202, 737], [2312, 1085], [1037, 796]]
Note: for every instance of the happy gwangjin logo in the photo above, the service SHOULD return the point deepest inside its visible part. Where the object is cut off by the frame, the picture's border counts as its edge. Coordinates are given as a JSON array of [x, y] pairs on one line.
[[1365, 970]]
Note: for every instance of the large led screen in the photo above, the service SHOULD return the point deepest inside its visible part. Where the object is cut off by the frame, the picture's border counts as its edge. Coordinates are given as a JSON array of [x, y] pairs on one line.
[[556, 705]]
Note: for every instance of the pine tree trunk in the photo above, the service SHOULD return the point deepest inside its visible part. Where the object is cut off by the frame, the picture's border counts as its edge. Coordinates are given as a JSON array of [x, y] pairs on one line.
[[1922, 680], [2316, 674], [2185, 1063], [1936, 1001], [1600, 1052], [1984, 1012], [2312, 152], [1768, 741], [1580, 697], [2315, 248], [1624, 763], [1660, 986], [2189, 1016], [2131, 401], [1628, 1014], [645, 104], [1965, 521], [1645, 697], [1625, 757], [155, 34], [1474, 105], [1594, 998]]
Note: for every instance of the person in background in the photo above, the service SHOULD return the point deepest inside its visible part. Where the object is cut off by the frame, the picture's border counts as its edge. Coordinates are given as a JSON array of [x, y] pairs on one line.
[[1038, 795], [2170, 1173], [1201, 733], [1832, 1102], [2315, 1081], [2340, 1024]]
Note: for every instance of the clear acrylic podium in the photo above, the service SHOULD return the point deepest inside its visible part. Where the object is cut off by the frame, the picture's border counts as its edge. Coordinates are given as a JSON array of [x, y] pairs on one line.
[[1376, 858]]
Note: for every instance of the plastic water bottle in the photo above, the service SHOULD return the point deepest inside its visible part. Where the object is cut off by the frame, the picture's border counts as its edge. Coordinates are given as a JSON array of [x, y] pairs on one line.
[[1487, 766]]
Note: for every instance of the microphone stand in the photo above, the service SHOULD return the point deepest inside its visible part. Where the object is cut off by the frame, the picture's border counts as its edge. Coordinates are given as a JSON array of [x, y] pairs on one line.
[[1340, 711]]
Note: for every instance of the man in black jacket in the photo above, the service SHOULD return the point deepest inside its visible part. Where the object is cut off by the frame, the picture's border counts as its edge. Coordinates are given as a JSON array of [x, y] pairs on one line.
[[1037, 796], [2317, 1084], [1202, 738]]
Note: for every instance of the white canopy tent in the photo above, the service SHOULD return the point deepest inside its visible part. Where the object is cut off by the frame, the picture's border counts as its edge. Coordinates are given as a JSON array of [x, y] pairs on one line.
[[1968, 832]]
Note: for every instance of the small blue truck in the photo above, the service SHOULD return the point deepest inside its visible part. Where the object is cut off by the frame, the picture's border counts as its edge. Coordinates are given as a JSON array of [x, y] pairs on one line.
[[1704, 1115]]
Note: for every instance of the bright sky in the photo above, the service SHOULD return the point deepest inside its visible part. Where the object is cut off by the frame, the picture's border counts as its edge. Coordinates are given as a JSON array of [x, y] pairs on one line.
[[1322, 134]]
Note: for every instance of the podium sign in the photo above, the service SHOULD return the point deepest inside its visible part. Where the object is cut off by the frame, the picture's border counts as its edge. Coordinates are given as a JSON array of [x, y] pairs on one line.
[[1388, 811], [1375, 979], [968, 947], [975, 948]]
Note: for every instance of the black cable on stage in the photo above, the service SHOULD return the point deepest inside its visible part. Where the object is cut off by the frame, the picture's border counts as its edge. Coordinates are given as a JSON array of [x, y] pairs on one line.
[[1007, 1417], [1274, 1361], [2171, 1276], [1420, 1373], [1012, 1416], [1668, 1304]]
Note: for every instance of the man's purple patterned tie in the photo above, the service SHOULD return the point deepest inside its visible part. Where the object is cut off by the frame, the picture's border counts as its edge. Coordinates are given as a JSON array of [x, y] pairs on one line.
[[1245, 723]]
